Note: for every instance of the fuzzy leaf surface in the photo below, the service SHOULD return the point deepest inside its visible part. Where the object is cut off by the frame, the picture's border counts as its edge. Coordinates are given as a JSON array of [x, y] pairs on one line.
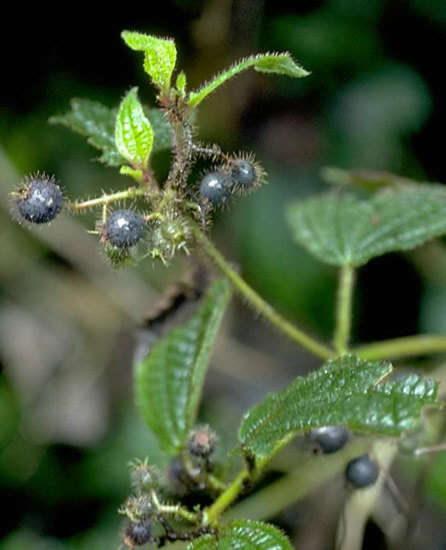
[[244, 535], [344, 230], [277, 63], [96, 122], [160, 56], [345, 391], [133, 131], [170, 379]]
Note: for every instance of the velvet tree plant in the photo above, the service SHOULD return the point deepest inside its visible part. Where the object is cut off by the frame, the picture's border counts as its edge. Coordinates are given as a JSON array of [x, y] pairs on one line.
[[352, 408]]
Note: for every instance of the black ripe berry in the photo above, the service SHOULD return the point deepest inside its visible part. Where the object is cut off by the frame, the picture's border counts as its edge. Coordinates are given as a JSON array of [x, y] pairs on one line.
[[362, 471], [124, 228], [243, 173], [329, 439], [201, 442], [137, 533], [214, 186], [40, 199]]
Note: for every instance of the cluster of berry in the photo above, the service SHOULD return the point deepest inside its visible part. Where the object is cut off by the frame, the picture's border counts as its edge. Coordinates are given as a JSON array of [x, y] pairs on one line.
[[40, 199], [148, 517], [217, 186], [361, 471]]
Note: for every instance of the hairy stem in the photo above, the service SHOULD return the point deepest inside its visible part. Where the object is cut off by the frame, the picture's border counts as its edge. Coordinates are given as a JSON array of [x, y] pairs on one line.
[[212, 514], [344, 308], [174, 510], [308, 342], [408, 346], [107, 199]]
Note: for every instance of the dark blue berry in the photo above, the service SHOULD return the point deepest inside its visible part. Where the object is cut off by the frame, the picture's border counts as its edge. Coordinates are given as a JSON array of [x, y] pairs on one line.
[[362, 472], [137, 533], [329, 439], [215, 186], [40, 200], [243, 173], [124, 228]]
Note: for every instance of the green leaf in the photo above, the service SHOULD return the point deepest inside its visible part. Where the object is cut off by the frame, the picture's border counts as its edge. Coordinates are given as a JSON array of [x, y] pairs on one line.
[[160, 56], [277, 63], [345, 391], [129, 171], [244, 535], [133, 131], [181, 83], [341, 229], [97, 122], [170, 379]]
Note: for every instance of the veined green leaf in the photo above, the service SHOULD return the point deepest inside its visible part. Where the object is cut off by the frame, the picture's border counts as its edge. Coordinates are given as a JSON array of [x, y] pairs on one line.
[[170, 379], [97, 122], [244, 535], [181, 83], [278, 63], [133, 131], [345, 391], [341, 229], [160, 56]]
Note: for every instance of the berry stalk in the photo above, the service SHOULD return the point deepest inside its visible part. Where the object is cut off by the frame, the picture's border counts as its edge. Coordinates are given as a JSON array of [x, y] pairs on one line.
[[344, 308], [297, 335]]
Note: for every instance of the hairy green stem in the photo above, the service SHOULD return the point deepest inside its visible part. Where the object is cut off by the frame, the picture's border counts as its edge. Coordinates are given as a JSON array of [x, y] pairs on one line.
[[212, 514], [408, 346], [344, 308], [106, 199], [174, 510], [308, 342]]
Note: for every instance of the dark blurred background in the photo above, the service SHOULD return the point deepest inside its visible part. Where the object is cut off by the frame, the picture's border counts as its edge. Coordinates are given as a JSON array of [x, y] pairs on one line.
[[376, 99]]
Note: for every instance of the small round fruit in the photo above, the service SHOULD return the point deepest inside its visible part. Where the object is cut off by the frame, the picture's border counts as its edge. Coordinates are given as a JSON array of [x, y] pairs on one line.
[[362, 472], [329, 439], [214, 187], [137, 533], [40, 200], [124, 228], [243, 173], [202, 442]]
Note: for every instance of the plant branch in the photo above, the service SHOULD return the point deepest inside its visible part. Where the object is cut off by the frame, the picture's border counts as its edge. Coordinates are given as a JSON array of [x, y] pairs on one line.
[[107, 199], [408, 346], [344, 308], [308, 342], [212, 514]]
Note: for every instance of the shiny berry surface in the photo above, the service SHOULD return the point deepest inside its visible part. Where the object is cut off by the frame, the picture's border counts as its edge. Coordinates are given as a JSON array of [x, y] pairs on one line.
[[243, 173], [40, 200], [124, 228], [362, 472], [329, 439], [214, 187]]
